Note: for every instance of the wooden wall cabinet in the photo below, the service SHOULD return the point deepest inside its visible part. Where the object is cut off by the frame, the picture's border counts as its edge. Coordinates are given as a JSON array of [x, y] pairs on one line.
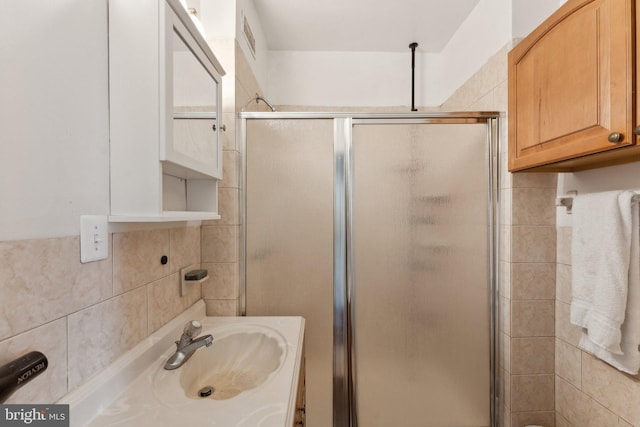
[[165, 102], [572, 103]]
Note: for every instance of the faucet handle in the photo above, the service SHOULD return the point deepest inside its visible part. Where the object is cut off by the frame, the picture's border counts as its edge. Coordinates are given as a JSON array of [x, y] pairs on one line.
[[192, 329]]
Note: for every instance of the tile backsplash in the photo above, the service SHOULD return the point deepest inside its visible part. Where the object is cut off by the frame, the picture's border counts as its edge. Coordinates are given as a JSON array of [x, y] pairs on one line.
[[588, 391], [43, 280], [222, 240], [84, 316]]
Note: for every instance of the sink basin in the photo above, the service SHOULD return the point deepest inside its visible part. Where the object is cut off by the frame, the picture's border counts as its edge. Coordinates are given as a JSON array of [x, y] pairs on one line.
[[241, 358], [231, 365]]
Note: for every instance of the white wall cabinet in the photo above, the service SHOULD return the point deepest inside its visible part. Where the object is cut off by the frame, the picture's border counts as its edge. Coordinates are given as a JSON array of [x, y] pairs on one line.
[[165, 107]]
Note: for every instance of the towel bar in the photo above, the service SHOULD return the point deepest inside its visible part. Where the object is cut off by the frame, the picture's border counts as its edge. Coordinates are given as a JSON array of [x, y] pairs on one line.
[[567, 200]]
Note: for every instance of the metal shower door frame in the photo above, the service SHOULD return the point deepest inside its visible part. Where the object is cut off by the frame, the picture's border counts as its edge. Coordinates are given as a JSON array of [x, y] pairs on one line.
[[344, 380]]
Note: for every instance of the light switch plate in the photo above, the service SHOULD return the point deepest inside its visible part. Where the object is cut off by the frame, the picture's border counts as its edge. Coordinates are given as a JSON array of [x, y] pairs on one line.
[[94, 238]]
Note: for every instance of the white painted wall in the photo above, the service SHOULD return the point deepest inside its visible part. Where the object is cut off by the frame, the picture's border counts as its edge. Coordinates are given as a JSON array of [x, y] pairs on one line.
[[224, 19], [346, 78], [491, 25], [527, 14], [54, 163], [384, 79], [259, 61], [217, 17], [485, 31]]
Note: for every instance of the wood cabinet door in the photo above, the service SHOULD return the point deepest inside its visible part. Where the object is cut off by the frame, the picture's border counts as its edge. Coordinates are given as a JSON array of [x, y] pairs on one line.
[[571, 84]]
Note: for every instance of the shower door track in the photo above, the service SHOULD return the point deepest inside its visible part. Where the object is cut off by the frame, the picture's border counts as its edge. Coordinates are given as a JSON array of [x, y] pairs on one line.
[[344, 380]]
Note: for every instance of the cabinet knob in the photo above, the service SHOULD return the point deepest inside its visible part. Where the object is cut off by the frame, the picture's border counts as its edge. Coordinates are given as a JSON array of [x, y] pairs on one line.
[[222, 127], [615, 137], [637, 130]]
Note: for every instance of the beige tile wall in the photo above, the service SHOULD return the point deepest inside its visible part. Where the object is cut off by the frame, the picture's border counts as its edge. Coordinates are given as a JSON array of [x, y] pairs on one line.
[[546, 379], [527, 266], [221, 240], [589, 392], [530, 258], [83, 316]]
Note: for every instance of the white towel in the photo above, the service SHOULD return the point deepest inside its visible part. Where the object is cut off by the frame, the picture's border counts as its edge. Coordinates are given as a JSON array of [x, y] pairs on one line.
[[601, 256]]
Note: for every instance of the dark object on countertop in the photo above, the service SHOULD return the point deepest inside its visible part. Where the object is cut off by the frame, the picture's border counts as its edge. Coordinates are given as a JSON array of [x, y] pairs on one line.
[[20, 371]]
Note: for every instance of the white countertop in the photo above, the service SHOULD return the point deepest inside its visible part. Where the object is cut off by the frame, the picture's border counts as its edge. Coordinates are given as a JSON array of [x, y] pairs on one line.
[[124, 393]]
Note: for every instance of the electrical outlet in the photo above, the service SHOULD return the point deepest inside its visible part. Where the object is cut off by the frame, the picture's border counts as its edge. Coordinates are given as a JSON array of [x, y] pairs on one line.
[[94, 238]]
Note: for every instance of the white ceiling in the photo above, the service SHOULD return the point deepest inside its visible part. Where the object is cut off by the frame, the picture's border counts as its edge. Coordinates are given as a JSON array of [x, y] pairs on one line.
[[361, 25]]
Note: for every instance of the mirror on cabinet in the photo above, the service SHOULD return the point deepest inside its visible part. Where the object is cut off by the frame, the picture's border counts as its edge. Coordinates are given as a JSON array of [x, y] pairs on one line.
[[193, 131], [194, 88], [195, 91]]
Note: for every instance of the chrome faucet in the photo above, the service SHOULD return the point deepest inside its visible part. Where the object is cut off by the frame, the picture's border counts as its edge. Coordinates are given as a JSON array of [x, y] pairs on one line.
[[187, 345]]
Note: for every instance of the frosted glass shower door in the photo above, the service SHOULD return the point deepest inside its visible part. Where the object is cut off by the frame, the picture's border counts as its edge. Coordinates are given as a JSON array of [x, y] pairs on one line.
[[289, 243], [420, 285]]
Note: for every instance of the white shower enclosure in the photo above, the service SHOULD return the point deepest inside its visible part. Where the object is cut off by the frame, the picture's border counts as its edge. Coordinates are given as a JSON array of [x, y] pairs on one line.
[[380, 230]]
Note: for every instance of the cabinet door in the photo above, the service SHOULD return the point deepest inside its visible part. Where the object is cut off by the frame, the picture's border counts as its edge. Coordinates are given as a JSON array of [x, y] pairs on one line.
[[571, 84], [191, 144]]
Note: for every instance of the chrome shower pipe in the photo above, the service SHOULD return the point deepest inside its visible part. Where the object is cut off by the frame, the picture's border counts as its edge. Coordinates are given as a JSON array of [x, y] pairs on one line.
[[260, 98]]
